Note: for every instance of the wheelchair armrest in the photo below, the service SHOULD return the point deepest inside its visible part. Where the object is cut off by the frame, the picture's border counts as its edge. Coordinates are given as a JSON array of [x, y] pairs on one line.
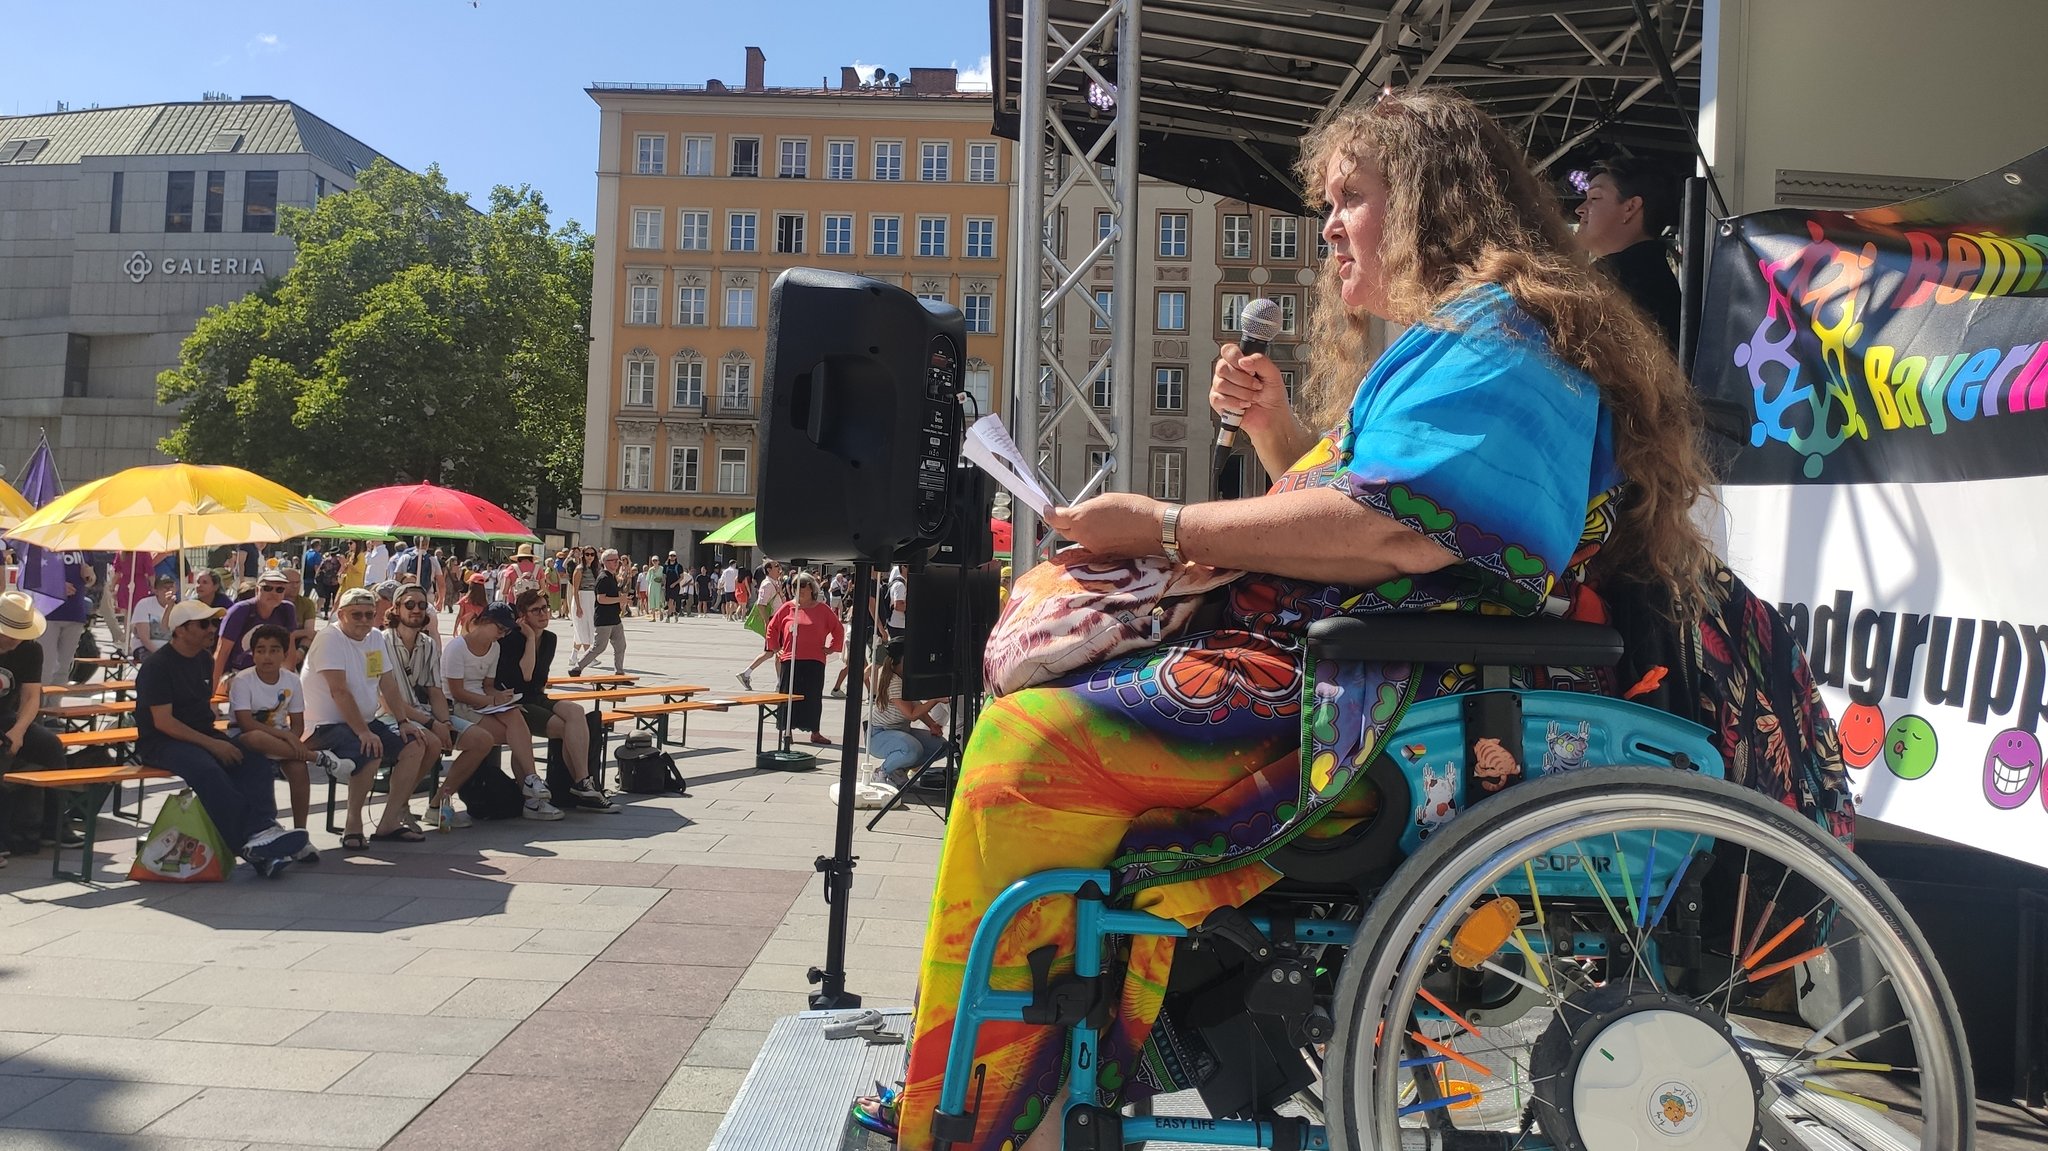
[[1465, 637]]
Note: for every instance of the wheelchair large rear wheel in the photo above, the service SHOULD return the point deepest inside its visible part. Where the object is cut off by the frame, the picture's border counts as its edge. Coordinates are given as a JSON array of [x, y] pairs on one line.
[[1695, 968]]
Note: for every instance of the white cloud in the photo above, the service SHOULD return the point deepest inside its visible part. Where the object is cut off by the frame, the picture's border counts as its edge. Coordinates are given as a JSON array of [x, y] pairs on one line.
[[978, 78], [264, 43]]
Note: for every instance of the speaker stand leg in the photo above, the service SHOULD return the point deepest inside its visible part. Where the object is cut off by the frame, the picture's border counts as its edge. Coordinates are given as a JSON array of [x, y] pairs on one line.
[[837, 868]]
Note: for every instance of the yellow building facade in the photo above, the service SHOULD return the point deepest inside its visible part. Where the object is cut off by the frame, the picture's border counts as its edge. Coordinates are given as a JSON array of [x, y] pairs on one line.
[[705, 195]]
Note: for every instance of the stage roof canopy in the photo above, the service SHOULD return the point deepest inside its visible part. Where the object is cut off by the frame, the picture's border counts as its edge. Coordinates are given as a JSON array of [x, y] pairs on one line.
[[1231, 86]]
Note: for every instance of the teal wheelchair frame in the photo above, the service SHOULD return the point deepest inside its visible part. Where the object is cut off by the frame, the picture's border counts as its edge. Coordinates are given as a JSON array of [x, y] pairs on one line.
[[1627, 874]]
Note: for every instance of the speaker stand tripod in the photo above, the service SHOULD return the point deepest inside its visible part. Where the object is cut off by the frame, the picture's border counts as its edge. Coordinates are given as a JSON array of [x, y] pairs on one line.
[[837, 868]]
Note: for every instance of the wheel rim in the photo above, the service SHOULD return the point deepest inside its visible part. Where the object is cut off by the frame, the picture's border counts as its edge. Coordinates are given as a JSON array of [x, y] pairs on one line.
[[1791, 1068]]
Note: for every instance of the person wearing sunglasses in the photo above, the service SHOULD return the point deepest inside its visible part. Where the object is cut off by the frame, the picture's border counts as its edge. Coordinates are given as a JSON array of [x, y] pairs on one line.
[[348, 671], [231, 650], [176, 730]]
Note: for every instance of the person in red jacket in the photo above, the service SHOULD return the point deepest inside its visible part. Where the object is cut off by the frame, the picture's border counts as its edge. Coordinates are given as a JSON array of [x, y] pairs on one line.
[[802, 633]]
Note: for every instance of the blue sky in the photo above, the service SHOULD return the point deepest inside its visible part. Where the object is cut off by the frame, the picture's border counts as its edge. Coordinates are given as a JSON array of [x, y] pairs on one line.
[[490, 90]]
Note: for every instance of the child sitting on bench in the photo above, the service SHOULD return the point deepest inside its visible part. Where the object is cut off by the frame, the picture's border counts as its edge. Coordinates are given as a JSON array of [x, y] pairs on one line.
[[268, 706]]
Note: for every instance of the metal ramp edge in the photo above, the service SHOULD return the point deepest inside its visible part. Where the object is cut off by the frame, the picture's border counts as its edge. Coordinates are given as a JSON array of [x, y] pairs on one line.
[[798, 1095]]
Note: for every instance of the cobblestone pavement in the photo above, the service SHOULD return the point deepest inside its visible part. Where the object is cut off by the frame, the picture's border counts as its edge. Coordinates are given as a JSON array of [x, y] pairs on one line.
[[598, 982]]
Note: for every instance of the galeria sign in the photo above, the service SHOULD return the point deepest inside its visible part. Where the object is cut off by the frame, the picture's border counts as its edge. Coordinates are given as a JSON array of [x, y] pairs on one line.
[[1894, 366]]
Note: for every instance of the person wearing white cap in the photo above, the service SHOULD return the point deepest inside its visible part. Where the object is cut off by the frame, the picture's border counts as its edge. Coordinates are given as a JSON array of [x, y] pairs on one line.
[[25, 745], [176, 731], [348, 669]]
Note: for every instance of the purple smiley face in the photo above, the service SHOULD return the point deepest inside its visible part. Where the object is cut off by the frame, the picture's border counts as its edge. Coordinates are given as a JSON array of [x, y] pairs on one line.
[[2012, 768]]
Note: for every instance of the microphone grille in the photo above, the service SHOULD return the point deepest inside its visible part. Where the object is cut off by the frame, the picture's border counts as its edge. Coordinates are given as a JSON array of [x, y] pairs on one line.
[[1260, 320]]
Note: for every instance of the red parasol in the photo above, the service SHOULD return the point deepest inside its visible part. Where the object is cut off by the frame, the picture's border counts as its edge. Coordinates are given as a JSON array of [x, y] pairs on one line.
[[426, 510]]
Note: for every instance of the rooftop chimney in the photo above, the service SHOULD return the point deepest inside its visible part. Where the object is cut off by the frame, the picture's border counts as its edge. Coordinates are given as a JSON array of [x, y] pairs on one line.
[[757, 67], [849, 79], [933, 81]]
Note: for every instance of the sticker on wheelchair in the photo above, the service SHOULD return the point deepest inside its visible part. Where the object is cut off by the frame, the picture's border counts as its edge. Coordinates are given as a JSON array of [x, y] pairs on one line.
[[1674, 1108], [1561, 731]]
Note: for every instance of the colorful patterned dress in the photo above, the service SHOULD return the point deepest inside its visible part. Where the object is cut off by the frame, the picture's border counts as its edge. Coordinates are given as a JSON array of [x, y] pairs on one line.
[[1183, 766]]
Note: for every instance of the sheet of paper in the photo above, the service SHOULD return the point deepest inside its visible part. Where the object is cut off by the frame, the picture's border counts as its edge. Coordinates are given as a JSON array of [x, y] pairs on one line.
[[494, 709], [988, 446]]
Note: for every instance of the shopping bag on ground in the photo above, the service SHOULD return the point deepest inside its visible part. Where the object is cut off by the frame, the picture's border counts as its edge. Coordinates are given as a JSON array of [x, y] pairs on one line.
[[183, 845]]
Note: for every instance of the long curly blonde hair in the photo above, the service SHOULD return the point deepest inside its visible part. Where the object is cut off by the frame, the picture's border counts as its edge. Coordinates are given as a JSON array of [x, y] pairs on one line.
[[1464, 208]]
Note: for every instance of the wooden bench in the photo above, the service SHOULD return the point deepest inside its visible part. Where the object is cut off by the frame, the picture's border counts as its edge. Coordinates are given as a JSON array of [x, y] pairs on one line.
[[587, 681], [101, 687], [84, 791]]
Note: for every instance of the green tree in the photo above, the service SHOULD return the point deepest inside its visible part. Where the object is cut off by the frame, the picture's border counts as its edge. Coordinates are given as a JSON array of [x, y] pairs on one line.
[[414, 340]]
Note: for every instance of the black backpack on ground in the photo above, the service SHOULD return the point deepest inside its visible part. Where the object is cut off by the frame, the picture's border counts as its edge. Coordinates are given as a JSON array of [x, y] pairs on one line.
[[645, 769], [489, 793]]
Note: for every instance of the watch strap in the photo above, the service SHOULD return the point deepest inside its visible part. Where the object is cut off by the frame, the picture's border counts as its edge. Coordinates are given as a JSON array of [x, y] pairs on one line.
[[1169, 534]]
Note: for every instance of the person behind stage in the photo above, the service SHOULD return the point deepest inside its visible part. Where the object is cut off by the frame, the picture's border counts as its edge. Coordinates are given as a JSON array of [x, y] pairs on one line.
[[1480, 460], [802, 633], [1628, 205]]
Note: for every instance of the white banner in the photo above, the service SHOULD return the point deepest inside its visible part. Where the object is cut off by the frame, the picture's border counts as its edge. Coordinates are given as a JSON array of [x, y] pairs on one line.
[[1924, 611]]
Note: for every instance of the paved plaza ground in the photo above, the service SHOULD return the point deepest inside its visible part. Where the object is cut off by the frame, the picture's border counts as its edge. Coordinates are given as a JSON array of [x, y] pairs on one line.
[[598, 982]]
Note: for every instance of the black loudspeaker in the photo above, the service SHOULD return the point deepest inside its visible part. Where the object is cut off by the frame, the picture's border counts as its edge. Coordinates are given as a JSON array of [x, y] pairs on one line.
[[968, 542], [862, 432], [947, 617]]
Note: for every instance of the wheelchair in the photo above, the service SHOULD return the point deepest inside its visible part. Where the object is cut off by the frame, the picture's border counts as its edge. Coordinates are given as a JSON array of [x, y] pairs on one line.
[[1621, 952]]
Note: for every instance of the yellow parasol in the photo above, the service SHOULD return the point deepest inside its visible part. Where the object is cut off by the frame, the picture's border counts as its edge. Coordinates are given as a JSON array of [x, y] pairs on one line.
[[13, 508], [170, 507]]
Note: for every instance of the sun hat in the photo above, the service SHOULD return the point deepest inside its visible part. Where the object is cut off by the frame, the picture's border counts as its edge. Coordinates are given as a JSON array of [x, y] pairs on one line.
[[273, 576], [19, 617], [525, 552], [388, 590], [356, 595], [189, 611]]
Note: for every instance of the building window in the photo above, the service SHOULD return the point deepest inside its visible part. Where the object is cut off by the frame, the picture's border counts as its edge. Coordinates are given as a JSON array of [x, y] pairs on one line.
[[689, 384], [935, 161], [736, 385], [1286, 313], [1233, 307], [1053, 233], [647, 227], [639, 384], [693, 230], [1102, 392], [1170, 389], [1322, 246], [645, 305], [793, 160], [259, 202], [742, 231], [1098, 460], [319, 188], [77, 365], [981, 239], [636, 467], [114, 204], [1283, 238], [732, 471], [934, 297], [1237, 237], [885, 238], [839, 235], [1169, 465], [789, 233], [739, 307], [216, 200], [696, 155], [690, 305], [839, 159], [1105, 223], [1173, 235], [651, 155], [1098, 316], [1173, 312], [1048, 387], [888, 159], [178, 203], [980, 388], [1287, 382], [746, 156], [683, 464], [980, 309], [981, 163], [931, 236]]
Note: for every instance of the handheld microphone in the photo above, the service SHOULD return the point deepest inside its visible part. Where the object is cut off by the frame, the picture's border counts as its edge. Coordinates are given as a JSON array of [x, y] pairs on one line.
[[1258, 323]]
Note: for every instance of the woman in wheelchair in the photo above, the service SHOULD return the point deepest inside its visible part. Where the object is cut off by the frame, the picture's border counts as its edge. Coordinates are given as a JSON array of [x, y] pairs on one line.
[[1526, 440]]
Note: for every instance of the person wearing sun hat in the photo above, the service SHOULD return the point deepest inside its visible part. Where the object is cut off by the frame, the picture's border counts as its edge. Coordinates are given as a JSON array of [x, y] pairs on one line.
[[25, 745], [176, 730]]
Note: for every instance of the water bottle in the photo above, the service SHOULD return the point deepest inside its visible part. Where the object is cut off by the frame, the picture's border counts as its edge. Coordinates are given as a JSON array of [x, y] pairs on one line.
[[447, 813]]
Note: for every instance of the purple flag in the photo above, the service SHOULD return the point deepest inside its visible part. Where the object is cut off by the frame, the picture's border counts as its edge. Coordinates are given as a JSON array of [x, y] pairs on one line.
[[42, 571]]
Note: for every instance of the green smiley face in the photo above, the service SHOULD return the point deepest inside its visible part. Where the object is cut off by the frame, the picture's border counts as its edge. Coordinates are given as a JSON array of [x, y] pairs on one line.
[[1910, 747]]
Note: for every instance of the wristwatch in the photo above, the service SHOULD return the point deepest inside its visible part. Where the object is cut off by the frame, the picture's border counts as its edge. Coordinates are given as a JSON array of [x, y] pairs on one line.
[[1169, 533]]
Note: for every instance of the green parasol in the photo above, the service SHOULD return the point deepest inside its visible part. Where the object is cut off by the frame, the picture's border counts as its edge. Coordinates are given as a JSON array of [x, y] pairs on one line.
[[739, 533]]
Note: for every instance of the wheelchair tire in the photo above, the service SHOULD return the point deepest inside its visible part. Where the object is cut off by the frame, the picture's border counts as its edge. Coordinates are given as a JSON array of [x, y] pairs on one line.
[[1406, 925]]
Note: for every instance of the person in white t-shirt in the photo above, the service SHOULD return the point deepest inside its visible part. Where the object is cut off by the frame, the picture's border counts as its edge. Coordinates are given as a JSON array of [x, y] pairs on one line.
[[267, 704], [376, 564], [347, 670], [470, 666], [146, 630]]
